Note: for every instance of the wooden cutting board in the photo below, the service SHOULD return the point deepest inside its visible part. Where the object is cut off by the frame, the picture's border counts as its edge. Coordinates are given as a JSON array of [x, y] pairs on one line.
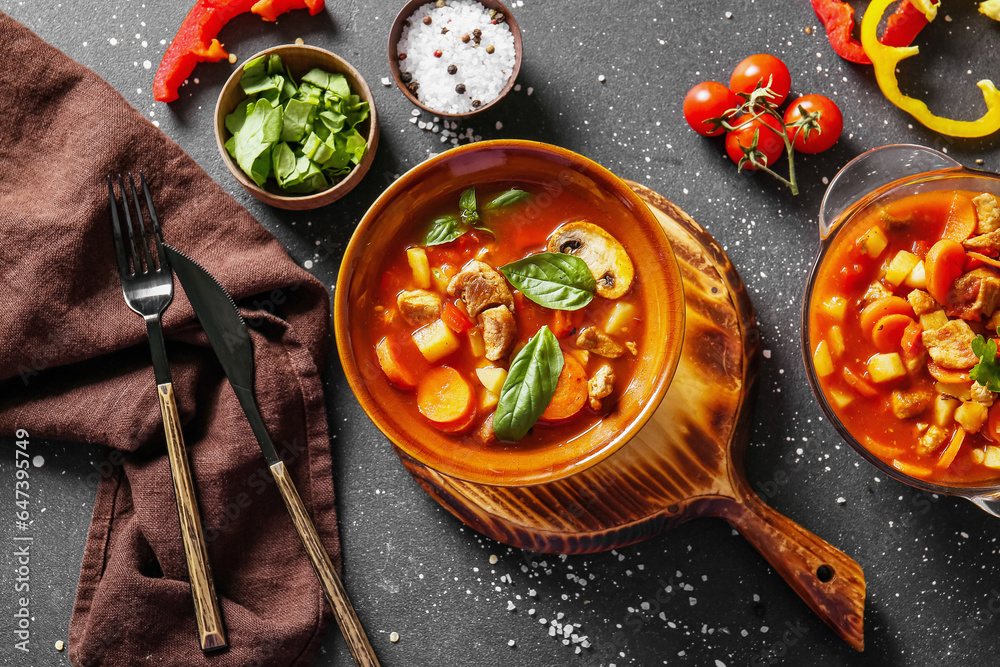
[[687, 462]]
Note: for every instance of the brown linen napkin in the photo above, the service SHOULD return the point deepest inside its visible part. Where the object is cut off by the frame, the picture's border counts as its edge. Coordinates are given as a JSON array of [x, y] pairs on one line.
[[75, 365]]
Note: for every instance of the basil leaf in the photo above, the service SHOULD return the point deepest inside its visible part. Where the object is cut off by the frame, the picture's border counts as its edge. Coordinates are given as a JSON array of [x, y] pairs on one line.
[[507, 198], [530, 385], [553, 279], [443, 230], [467, 202]]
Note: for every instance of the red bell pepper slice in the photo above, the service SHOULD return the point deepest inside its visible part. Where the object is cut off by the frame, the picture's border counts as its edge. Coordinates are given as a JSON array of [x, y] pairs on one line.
[[837, 18], [455, 319], [196, 41]]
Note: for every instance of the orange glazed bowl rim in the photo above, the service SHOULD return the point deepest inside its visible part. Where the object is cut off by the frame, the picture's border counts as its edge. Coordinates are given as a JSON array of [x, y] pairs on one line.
[[504, 464], [906, 185]]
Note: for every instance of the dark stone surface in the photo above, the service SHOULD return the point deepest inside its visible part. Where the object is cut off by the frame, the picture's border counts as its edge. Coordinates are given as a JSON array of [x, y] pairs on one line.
[[932, 566]]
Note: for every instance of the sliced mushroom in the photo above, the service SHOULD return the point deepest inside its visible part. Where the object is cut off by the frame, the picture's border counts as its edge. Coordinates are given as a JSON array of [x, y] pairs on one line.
[[499, 331], [605, 256], [481, 287], [599, 343]]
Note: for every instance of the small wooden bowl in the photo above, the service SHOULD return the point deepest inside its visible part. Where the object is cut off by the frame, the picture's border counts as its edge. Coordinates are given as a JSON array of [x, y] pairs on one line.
[[397, 30], [299, 59], [392, 216]]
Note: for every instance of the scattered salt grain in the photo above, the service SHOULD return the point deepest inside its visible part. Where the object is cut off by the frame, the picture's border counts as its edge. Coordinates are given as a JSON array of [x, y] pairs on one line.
[[510, 642], [394, 637], [493, 559], [602, 78], [385, 81]]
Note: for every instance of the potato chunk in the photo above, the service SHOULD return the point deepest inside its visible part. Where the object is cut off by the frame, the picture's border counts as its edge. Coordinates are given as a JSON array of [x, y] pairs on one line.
[[900, 267], [417, 259], [435, 341], [971, 416], [873, 242], [886, 367]]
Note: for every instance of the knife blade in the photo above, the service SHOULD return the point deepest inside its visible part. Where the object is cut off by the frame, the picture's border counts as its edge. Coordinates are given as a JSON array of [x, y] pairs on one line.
[[230, 340]]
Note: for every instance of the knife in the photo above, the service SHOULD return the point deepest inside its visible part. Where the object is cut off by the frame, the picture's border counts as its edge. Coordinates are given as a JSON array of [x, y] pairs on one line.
[[230, 339]]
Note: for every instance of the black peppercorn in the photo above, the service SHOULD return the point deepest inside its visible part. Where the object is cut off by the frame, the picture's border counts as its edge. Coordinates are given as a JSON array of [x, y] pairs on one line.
[[444, 31], [406, 77], [476, 104], [452, 69], [498, 18], [412, 87], [460, 89], [402, 56]]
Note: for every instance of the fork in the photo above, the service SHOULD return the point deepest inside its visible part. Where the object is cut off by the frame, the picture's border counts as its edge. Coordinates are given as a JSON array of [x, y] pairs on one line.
[[148, 286]]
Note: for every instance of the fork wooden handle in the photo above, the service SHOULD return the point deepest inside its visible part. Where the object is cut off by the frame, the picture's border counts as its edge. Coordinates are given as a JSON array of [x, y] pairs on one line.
[[347, 619], [211, 633]]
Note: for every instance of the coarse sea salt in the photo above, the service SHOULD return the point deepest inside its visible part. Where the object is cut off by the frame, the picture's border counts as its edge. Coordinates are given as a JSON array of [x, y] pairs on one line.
[[479, 73]]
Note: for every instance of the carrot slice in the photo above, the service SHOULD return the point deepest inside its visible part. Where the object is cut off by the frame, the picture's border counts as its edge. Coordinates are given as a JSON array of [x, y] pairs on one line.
[[951, 451], [961, 221], [911, 469], [393, 367], [944, 263], [443, 396], [888, 332], [571, 392], [459, 426], [942, 374], [880, 450], [860, 385], [879, 308]]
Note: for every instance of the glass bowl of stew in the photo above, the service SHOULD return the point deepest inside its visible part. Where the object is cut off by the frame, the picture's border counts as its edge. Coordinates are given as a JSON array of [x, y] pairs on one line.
[[904, 291], [448, 314]]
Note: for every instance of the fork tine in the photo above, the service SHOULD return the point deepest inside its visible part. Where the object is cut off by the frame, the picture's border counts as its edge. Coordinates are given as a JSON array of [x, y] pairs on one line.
[[157, 232], [150, 266], [128, 224], [123, 270]]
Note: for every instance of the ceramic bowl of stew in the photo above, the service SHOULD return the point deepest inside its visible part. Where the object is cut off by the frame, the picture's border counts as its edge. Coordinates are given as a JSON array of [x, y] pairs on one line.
[[509, 313], [904, 290]]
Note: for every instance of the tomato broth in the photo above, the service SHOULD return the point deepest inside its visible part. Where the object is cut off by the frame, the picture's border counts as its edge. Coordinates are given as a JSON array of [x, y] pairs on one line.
[[895, 307], [516, 231]]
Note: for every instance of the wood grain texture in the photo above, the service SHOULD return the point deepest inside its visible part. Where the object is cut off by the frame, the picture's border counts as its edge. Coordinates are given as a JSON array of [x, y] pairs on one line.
[[687, 462], [333, 589], [211, 632]]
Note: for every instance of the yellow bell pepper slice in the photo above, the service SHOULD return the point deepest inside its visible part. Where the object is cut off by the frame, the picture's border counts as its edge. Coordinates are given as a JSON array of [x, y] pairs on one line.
[[886, 58]]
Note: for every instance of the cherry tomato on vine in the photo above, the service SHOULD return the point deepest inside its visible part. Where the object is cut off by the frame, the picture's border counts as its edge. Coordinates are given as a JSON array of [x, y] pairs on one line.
[[828, 125], [761, 68], [769, 142], [709, 99]]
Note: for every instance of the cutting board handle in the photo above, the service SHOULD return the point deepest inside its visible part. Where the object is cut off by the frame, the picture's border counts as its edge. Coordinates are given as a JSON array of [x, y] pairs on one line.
[[827, 579]]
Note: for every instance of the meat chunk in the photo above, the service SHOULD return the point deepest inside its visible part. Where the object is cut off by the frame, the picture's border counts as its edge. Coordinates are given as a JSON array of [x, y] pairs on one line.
[[485, 432], [950, 346], [906, 404], [599, 343], [989, 241], [875, 292], [987, 213], [419, 306], [922, 302], [499, 331], [601, 385], [974, 294], [481, 287], [981, 394], [931, 440]]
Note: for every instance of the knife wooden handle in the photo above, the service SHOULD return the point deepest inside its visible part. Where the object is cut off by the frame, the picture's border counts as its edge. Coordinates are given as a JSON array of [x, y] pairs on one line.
[[211, 633], [347, 619]]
